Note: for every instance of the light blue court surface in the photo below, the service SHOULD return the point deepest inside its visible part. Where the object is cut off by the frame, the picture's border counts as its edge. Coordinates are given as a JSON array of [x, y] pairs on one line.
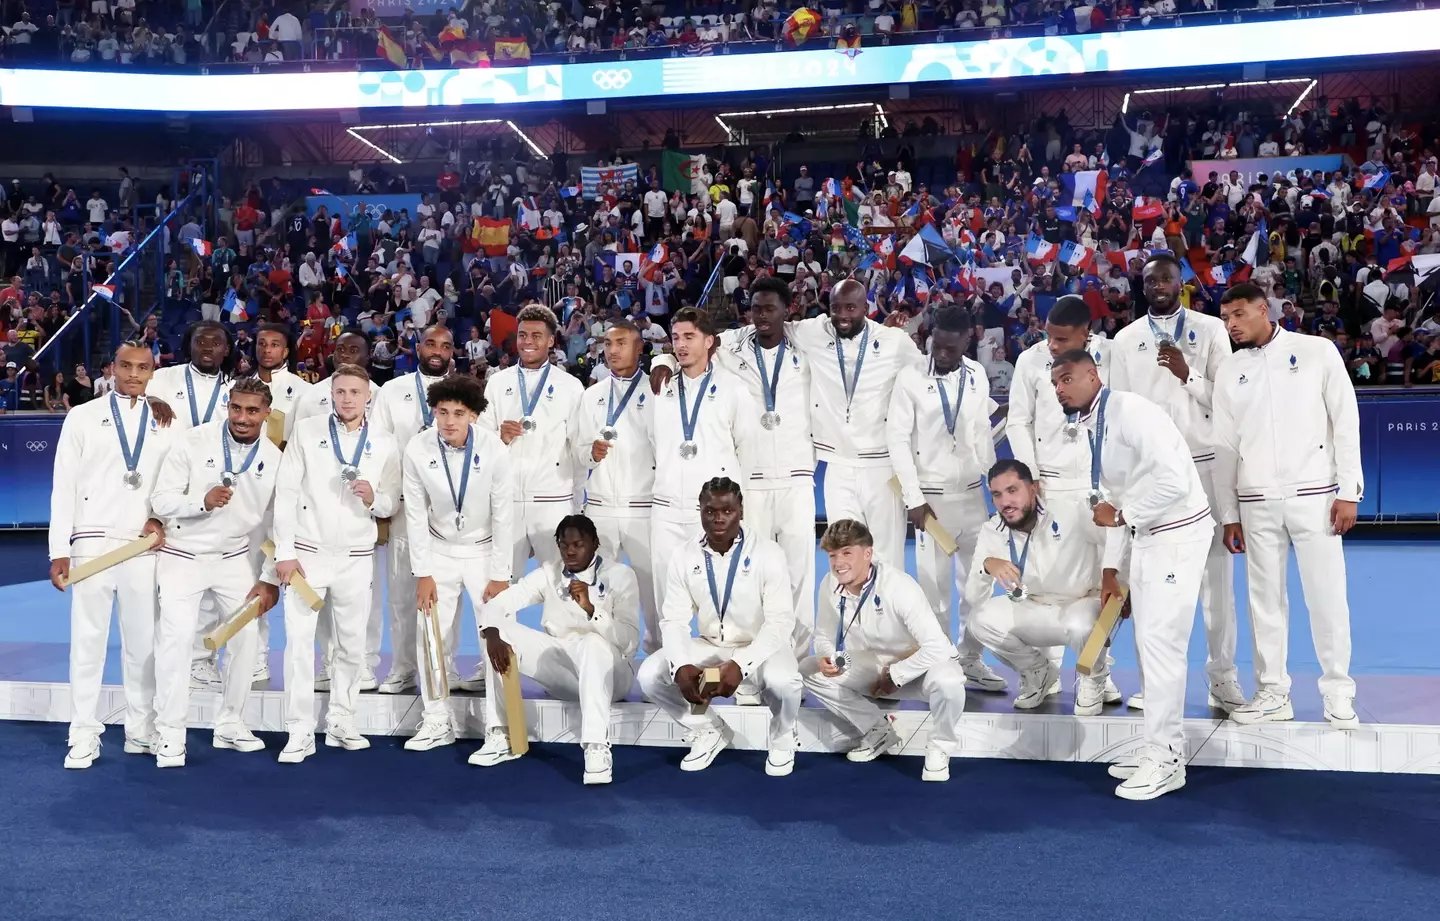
[[1394, 615]]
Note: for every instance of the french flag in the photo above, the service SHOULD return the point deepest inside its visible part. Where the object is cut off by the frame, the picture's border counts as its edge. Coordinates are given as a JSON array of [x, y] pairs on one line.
[[1152, 157], [769, 197], [1376, 180], [569, 191], [922, 286], [831, 187], [1219, 274], [529, 216], [653, 260], [105, 291], [237, 309], [1038, 249], [1085, 189], [1077, 256], [202, 247]]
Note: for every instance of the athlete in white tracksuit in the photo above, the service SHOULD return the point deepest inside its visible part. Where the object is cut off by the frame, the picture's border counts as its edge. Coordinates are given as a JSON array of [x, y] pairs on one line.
[[1053, 557], [1171, 358], [620, 469], [938, 431], [876, 637], [854, 363], [460, 502], [94, 509], [336, 479], [585, 646], [1145, 484], [702, 417], [1289, 475], [402, 410], [736, 590], [530, 406], [209, 526], [199, 392], [287, 389]]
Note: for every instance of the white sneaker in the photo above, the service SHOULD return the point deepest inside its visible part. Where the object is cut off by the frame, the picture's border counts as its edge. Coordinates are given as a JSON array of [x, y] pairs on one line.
[[496, 749], [433, 734], [598, 763], [396, 683], [262, 672], [1089, 694], [880, 740], [340, 735], [476, 682], [1158, 773], [322, 678], [453, 679], [204, 676], [704, 746], [780, 762], [82, 754], [747, 695], [146, 746], [937, 765], [1136, 701], [298, 747], [1340, 711], [1112, 693], [170, 755], [368, 681], [236, 738], [981, 677], [1036, 684], [1226, 695], [1264, 707]]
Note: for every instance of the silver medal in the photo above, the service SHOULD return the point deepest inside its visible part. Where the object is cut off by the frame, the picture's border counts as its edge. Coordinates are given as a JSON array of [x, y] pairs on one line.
[[349, 474], [1165, 342], [1018, 593], [460, 522], [527, 424], [770, 420], [1095, 497], [1072, 431], [688, 449], [132, 479], [228, 480], [608, 433], [841, 661]]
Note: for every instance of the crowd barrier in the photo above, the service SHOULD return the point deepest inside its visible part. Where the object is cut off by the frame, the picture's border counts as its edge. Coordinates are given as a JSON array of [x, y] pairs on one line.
[[1399, 447]]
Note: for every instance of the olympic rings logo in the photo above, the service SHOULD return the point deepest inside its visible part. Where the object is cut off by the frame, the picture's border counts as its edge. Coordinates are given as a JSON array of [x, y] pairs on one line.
[[612, 79], [37, 446]]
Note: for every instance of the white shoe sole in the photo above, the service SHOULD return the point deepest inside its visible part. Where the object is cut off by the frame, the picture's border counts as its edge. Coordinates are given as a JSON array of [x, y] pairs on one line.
[[1091, 710], [995, 685], [322, 684], [1175, 782], [1345, 725], [1121, 770], [1136, 702], [474, 687], [358, 744], [369, 684], [1216, 703], [262, 675], [425, 745], [397, 687], [747, 700], [80, 764], [139, 748], [598, 777], [295, 757], [779, 770], [936, 776], [1030, 701], [238, 745], [486, 759], [870, 754], [706, 759], [1250, 717], [176, 761]]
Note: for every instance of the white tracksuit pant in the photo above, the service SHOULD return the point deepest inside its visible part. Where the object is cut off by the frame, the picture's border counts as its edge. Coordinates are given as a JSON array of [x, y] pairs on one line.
[[374, 616], [847, 695], [787, 516], [455, 576], [629, 534], [207, 618], [262, 623], [864, 494], [1164, 587], [344, 583], [1021, 633], [535, 524], [1217, 595], [183, 583], [939, 573], [669, 531], [777, 679], [394, 599], [129, 586], [582, 667], [1272, 526]]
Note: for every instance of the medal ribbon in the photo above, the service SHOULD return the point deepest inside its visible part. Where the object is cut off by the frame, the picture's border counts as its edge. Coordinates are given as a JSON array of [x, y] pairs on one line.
[[359, 445], [852, 383], [1160, 333], [528, 400], [737, 550], [951, 417], [1097, 441], [457, 498], [229, 462], [195, 419], [132, 458], [690, 415], [427, 415], [770, 383], [613, 412], [842, 628]]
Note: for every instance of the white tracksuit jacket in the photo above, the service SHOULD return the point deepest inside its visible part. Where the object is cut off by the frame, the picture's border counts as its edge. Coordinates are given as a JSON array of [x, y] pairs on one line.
[[613, 592], [728, 418], [489, 508], [169, 384], [896, 624], [1035, 425], [625, 479], [1062, 562], [315, 509], [543, 460], [926, 457]]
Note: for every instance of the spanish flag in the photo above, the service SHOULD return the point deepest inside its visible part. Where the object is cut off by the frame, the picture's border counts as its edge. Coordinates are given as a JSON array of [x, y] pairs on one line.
[[508, 50], [802, 24], [452, 33], [849, 46], [470, 52], [493, 235], [433, 51], [390, 49]]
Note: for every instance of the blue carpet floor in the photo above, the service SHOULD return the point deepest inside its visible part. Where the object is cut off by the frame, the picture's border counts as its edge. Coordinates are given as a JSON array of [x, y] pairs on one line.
[[390, 835]]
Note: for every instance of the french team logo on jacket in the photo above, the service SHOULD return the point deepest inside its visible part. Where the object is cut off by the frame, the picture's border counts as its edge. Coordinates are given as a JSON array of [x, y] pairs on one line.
[[1055, 529], [1294, 365]]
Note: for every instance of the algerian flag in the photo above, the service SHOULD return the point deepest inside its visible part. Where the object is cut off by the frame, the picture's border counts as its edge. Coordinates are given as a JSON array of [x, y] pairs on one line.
[[679, 169]]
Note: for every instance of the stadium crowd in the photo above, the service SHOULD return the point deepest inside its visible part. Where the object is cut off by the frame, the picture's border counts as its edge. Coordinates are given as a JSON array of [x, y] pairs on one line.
[[1004, 229], [188, 32]]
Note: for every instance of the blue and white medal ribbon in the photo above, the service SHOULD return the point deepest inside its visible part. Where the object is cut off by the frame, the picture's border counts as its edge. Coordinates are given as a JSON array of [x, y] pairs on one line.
[[1163, 338], [690, 415], [770, 383], [231, 474], [458, 498], [427, 415], [528, 401], [951, 416], [349, 472], [851, 383], [737, 550], [132, 478], [841, 660], [614, 411], [1097, 444], [195, 419], [1017, 592]]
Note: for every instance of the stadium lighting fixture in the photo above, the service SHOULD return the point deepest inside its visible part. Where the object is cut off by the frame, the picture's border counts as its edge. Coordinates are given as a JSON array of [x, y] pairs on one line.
[[451, 123], [1125, 105]]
